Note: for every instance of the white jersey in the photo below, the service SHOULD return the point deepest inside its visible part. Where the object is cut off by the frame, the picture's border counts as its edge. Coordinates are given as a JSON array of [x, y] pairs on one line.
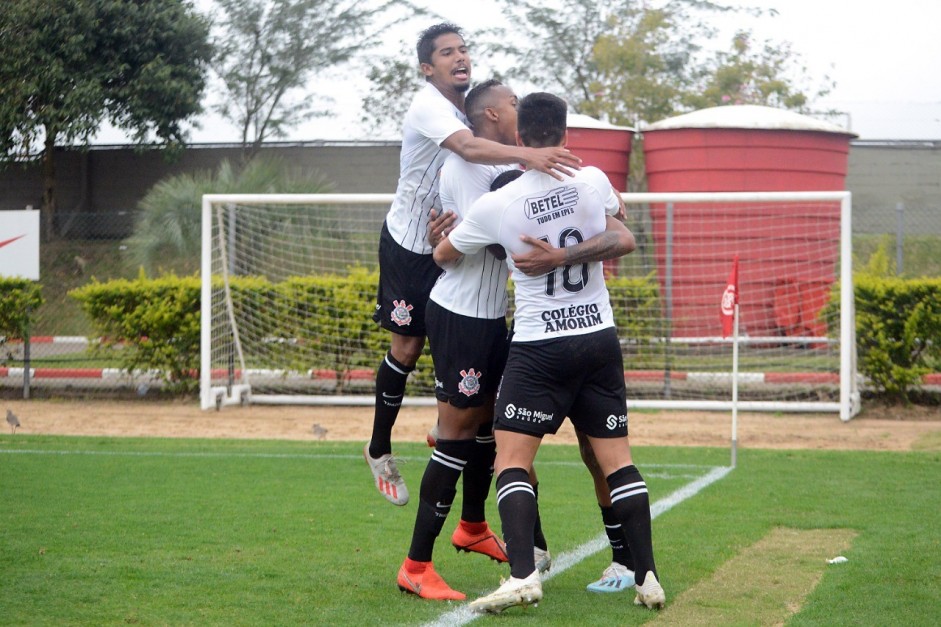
[[571, 300], [475, 285], [430, 120]]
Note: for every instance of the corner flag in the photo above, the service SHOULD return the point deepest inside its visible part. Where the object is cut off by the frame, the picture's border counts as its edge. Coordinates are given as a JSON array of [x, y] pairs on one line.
[[729, 300]]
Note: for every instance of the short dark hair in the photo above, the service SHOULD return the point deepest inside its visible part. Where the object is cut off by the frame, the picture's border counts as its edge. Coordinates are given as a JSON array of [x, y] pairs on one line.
[[504, 178], [473, 102], [541, 120], [426, 41]]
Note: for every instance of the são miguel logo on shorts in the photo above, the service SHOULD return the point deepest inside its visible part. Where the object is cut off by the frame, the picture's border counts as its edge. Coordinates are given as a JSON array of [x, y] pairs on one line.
[[614, 422], [470, 382], [401, 314]]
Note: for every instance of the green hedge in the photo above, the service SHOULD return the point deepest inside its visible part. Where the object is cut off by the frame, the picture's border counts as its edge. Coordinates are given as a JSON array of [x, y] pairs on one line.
[[898, 331], [157, 321], [898, 323], [19, 298], [637, 314], [337, 319]]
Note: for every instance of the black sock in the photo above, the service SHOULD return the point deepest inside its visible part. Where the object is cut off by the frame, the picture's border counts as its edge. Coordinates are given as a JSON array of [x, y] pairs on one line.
[[620, 551], [517, 504], [631, 505], [478, 475], [539, 538], [438, 488], [390, 388]]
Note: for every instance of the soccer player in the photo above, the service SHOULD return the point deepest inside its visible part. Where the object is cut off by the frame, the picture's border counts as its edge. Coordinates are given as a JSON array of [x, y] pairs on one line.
[[565, 358], [434, 127], [468, 301]]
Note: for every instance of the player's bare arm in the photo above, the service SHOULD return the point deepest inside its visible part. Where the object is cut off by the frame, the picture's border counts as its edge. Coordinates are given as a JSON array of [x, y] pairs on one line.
[[555, 161], [445, 253], [622, 208], [616, 241]]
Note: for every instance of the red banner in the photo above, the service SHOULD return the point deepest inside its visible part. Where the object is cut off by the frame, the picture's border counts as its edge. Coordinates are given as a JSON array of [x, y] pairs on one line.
[[729, 300]]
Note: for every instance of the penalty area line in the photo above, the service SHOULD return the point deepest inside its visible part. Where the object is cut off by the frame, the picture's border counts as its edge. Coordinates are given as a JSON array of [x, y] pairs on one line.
[[463, 615]]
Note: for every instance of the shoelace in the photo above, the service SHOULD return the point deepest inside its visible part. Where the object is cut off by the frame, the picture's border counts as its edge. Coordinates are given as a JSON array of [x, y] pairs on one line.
[[613, 572], [391, 468]]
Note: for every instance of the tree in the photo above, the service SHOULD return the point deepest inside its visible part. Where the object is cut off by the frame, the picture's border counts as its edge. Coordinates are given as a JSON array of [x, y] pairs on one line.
[[619, 60], [629, 62], [168, 228], [764, 76], [394, 80], [584, 50], [269, 51], [645, 65], [622, 61], [66, 66]]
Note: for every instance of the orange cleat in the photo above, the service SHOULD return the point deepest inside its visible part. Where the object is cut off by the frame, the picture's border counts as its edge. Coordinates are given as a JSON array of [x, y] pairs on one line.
[[484, 542], [427, 584]]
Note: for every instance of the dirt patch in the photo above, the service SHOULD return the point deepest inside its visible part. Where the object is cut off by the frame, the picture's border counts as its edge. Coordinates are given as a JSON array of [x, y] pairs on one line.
[[764, 584], [886, 429]]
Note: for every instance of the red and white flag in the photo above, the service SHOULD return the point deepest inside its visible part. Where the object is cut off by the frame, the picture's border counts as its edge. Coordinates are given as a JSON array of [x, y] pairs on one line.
[[729, 300]]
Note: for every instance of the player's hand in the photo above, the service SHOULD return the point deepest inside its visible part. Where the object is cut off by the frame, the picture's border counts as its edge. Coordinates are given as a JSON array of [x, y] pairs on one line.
[[540, 259], [439, 226], [555, 161]]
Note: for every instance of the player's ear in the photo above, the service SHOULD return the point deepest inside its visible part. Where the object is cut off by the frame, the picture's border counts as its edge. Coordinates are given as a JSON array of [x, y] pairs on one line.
[[426, 69], [565, 138], [519, 140]]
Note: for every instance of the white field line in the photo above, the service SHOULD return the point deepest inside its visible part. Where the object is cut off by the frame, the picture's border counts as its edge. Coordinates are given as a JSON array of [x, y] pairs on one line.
[[463, 615]]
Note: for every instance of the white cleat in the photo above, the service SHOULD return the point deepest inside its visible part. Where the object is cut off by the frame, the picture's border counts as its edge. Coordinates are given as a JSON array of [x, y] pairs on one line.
[[543, 559], [650, 593], [388, 480], [512, 592]]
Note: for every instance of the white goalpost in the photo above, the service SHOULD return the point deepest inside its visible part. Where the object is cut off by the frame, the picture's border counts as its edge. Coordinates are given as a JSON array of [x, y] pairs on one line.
[[288, 291]]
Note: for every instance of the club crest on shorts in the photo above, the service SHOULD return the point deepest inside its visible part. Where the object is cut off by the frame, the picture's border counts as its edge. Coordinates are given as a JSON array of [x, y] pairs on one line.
[[401, 314], [470, 382]]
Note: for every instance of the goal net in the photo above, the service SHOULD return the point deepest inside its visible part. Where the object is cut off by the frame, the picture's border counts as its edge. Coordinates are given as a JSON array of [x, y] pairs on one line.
[[289, 283]]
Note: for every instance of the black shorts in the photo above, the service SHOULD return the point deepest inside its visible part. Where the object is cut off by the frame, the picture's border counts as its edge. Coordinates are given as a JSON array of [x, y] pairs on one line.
[[581, 377], [469, 355], [405, 281]]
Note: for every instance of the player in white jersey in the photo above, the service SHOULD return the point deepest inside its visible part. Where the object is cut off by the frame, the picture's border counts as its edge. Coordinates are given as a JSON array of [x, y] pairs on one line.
[[434, 127], [565, 358], [469, 300]]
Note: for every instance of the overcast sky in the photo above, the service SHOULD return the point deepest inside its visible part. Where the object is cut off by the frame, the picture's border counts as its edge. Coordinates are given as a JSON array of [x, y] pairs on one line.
[[884, 58]]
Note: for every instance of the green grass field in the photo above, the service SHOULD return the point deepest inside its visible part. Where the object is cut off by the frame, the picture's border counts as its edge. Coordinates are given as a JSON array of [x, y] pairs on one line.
[[107, 531]]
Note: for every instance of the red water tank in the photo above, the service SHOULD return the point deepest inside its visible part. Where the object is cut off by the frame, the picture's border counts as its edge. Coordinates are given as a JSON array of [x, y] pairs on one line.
[[748, 148], [605, 146], [602, 145]]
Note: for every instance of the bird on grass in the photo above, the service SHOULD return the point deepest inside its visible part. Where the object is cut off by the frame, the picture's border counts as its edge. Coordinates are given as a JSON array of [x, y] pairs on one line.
[[12, 420]]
